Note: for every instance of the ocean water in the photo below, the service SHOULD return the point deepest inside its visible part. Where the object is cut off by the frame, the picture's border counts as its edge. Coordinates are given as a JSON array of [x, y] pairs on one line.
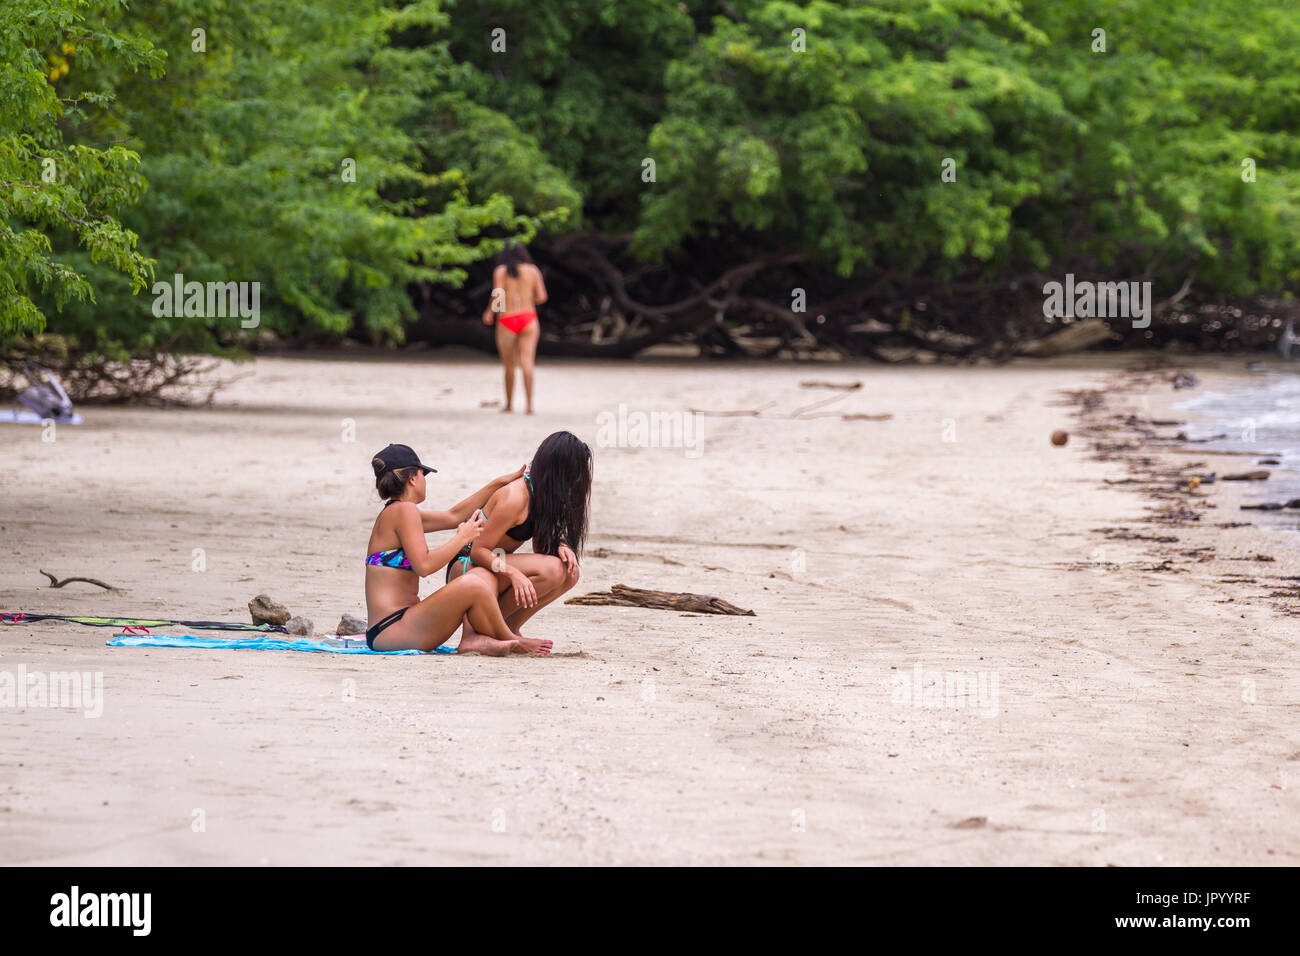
[[1258, 417]]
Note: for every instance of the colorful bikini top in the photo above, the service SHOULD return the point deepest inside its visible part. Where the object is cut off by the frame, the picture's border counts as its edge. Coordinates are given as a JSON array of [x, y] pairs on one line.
[[522, 532], [392, 558], [395, 558]]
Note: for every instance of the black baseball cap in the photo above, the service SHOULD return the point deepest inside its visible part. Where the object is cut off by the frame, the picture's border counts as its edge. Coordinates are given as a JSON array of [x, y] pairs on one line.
[[399, 456]]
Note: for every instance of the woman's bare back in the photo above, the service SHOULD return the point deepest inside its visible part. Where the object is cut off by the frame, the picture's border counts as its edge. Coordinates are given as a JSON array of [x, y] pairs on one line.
[[523, 293]]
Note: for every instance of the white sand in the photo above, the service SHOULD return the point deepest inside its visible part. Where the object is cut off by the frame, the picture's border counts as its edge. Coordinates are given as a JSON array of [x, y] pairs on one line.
[[1119, 734]]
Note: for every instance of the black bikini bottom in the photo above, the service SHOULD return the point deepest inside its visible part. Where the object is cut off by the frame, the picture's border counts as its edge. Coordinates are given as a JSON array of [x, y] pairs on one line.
[[464, 558], [375, 631]]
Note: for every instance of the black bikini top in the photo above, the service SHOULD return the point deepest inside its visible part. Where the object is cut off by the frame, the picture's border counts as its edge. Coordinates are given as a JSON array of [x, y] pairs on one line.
[[522, 532]]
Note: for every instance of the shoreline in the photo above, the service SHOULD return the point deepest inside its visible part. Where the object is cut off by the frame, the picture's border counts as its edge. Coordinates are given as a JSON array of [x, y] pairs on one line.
[[1222, 543]]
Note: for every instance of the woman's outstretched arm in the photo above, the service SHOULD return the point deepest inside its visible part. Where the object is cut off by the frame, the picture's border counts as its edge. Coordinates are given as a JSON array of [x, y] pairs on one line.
[[453, 516], [411, 537]]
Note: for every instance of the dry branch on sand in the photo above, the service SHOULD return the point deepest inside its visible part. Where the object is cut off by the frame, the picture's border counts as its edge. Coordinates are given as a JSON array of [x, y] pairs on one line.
[[56, 583], [624, 596], [161, 378]]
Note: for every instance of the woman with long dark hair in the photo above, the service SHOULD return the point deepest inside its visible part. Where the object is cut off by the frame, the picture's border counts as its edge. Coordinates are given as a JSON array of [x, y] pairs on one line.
[[398, 556], [547, 504], [517, 291]]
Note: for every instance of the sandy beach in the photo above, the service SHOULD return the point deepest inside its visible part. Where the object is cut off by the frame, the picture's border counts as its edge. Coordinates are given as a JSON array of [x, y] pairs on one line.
[[1135, 706]]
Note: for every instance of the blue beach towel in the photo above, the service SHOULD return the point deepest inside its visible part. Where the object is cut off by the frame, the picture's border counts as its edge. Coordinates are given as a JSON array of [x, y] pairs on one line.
[[337, 645]]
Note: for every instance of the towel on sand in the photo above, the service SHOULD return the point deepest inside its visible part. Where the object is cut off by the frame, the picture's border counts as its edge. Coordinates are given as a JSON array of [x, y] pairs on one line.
[[332, 644]]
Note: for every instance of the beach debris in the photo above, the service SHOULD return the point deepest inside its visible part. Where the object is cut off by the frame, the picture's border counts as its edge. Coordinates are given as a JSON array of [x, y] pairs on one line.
[[56, 583], [1272, 505], [734, 413], [970, 823], [884, 417], [847, 386], [1124, 534], [1261, 475], [1174, 514], [267, 610], [808, 408], [1060, 437], [348, 624], [624, 596], [299, 625], [1183, 379], [1287, 339], [799, 413], [1072, 338], [44, 400]]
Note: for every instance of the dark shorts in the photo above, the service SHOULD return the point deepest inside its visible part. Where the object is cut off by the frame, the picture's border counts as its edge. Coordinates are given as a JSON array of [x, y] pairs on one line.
[[375, 631]]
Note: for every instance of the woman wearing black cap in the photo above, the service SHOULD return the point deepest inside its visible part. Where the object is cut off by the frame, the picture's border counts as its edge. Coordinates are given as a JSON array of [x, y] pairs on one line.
[[398, 556]]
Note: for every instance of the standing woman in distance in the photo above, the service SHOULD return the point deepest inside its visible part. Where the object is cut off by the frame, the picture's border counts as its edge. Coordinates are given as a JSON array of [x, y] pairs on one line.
[[517, 291]]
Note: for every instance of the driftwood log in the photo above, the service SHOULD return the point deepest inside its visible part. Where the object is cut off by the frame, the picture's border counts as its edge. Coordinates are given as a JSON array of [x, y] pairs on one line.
[[1071, 338], [624, 596]]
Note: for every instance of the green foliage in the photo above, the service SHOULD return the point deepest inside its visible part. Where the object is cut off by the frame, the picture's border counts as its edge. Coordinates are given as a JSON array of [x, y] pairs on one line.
[[250, 148], [584, 79], [1181, 96], [50, 188], [1127, 160], [821, 128]]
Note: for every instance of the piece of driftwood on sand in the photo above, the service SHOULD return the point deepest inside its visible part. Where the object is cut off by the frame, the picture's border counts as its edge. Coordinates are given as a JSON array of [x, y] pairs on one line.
[[56, 583], [624, 596]]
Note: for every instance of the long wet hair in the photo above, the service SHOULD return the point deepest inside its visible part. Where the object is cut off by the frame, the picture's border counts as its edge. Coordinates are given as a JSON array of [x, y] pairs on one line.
[[561, 473], [513, 254]]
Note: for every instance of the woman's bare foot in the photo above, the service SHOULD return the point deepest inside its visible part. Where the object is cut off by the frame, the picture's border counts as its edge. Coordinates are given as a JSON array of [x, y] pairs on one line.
[[476, 643], [531, 645]]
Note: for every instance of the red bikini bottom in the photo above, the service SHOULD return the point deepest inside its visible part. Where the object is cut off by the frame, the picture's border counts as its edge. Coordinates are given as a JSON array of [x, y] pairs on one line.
[[518, 321]]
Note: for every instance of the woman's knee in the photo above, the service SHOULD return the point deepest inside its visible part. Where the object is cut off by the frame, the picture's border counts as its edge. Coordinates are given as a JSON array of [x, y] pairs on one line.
[[551, 573], [477, 582]]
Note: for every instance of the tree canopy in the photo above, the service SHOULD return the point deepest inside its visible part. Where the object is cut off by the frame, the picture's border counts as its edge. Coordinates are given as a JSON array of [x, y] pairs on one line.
[[683, 167]]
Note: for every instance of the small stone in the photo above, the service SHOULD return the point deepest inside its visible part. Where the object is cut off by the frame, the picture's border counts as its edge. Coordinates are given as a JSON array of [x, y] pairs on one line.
[[1060, 437], [267, 610], [348, 624], [300, 626]]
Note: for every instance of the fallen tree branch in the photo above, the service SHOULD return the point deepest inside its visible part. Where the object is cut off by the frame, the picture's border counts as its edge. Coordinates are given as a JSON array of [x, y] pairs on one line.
[[623, 596], [737, 413], [56, 583], [847, 386]]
